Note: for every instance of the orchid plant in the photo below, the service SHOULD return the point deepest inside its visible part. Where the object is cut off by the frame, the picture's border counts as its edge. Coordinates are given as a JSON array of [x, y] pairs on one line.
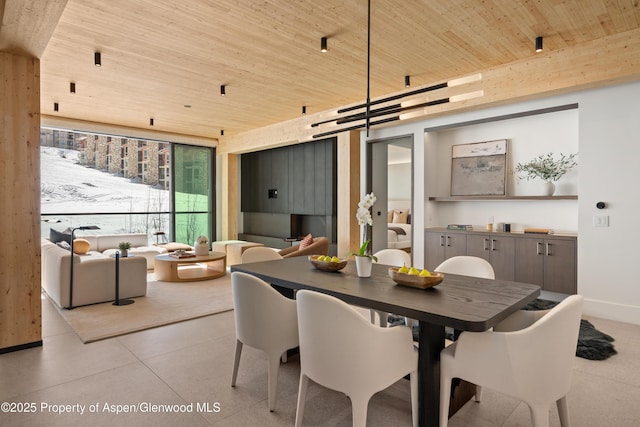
[[363, 216]]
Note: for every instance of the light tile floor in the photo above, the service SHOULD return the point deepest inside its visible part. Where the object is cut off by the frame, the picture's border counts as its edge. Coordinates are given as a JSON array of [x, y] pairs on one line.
[[189, 365]]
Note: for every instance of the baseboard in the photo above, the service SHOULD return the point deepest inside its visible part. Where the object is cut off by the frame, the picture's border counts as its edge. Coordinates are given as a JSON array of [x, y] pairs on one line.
[[21, 347], [612, 311]]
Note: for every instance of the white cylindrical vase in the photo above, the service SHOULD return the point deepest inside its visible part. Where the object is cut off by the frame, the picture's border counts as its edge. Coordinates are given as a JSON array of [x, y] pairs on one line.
[[363, 266]]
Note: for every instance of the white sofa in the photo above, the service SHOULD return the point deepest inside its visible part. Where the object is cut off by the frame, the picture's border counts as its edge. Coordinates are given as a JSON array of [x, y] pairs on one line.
[[107, 244], [94, 276]]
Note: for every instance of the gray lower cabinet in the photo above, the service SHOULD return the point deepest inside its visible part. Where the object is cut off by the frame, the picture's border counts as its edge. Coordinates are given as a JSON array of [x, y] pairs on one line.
[[440, 245], [498, 250], [547, 262]]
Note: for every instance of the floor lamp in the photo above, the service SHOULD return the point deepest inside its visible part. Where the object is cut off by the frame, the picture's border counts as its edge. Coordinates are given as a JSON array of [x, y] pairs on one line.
[[84, 227]]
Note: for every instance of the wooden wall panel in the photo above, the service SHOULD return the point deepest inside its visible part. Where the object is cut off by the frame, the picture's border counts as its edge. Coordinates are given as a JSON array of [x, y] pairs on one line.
[[20, 304]]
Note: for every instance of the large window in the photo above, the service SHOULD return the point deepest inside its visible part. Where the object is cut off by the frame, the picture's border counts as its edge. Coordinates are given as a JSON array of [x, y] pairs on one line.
[[193, 196], [123, 185]]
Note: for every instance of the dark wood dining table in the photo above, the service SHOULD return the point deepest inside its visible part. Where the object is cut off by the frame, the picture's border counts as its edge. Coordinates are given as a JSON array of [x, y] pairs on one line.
[[460, 302]]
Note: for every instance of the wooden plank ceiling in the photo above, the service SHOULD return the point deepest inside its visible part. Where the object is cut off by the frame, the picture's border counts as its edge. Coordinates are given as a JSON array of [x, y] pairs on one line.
[[160, 55]]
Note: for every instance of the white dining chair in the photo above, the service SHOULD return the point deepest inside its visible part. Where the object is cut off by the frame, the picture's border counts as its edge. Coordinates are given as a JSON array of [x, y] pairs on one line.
[[341, 350], [534, 364], [467, 266], [264, 320], [394, 258], [259, 253]]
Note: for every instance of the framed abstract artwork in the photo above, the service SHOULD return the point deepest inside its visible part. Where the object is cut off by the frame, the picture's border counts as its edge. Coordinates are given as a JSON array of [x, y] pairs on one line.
[[479, 169]]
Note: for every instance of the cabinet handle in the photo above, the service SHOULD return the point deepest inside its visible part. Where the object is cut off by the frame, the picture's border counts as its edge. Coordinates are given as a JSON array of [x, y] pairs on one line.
[[448, 240], [486, 244], [493, 244], [548, 249], [538, 251], [442, 241]]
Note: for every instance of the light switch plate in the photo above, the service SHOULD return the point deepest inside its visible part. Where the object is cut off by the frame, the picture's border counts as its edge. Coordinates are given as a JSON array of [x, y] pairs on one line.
[[601, 220]]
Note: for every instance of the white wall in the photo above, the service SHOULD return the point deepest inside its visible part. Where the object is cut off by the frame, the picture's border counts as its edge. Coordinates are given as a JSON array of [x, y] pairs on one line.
[[607, 139], [399, 183]]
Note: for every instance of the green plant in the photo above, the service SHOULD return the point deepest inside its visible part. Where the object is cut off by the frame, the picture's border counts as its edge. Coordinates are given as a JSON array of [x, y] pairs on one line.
[[546, 167], [124, 246], [363, 216], [363, 251]]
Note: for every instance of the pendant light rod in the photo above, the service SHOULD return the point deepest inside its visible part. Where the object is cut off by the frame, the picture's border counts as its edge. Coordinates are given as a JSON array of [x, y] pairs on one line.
[[368, 124]]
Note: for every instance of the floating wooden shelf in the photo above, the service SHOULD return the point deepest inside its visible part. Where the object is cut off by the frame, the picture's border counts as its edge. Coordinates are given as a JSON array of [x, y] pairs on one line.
[[499, 198]]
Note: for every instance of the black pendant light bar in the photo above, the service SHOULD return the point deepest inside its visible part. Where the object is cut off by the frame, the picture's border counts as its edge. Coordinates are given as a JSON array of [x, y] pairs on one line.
[[374, 123], [378, 113], [395, 97]]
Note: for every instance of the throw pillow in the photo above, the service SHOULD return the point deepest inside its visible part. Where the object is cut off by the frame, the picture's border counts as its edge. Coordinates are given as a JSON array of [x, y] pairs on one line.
[[64, 245], [308, 240], [174, 246], [60, 236], [81, 246], [400, 217]]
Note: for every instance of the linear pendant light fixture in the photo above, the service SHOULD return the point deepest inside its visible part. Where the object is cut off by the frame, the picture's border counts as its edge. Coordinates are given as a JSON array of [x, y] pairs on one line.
[[97, 59], [539, 44], [396, 111], [323, 44], [223, 90]]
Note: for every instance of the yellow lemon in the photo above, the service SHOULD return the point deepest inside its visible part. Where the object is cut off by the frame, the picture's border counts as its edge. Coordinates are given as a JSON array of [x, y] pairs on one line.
[[414, 271], [335, 259], [424, 273], [403, 269], [320, 258]]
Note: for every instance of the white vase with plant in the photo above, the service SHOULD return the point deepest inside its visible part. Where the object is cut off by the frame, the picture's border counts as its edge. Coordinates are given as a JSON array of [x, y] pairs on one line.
[[364, 258], [547, 168], [124, 249], [202, 246]]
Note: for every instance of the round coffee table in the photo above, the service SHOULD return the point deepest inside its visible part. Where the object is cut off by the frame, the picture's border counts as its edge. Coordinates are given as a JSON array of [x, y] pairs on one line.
[[168, 268]]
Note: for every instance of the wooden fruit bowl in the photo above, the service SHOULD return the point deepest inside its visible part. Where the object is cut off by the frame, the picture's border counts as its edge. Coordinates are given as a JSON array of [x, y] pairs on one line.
[[414, 280], [327, 266]]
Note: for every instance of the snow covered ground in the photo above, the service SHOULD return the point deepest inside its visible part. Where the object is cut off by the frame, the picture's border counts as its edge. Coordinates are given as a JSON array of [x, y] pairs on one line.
[[68, 187]]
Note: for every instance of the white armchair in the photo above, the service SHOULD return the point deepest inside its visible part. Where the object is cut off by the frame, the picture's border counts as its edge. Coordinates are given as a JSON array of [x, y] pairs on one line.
[[534, 364], [394, 258], [467, 266], [341, 350], [259, 253], [264, 320]]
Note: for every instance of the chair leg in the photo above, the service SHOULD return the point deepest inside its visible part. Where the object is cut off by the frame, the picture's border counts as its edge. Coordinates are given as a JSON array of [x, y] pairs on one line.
[[302, 396], [272, 379], [478, 393], [445, 397], [539, 415], [284, 357], [236, 363], [383, 318], [413, 379], [563, 411], [372, 316], [359, 408]]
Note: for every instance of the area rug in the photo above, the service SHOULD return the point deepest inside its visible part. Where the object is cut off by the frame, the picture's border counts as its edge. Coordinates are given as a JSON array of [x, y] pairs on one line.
[[165, 303], [592, 344]]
